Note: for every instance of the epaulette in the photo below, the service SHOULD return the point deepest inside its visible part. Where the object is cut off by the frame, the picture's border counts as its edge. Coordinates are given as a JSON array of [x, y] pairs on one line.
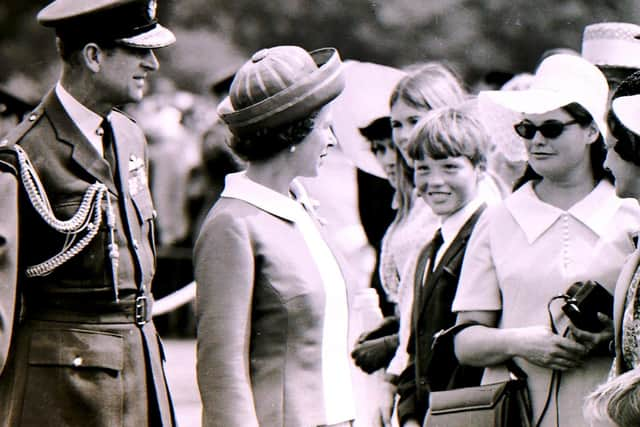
[[22, 128], [127, 115]]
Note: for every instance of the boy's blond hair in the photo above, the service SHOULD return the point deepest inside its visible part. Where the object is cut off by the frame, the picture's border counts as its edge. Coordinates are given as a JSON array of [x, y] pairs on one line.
[[449, 132]]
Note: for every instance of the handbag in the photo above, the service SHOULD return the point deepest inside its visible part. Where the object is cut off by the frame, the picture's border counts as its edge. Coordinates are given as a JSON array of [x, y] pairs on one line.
[[503, 404]]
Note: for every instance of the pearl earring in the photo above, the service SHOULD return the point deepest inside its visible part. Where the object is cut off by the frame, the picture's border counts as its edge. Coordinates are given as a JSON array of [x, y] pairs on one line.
[[292, 149]]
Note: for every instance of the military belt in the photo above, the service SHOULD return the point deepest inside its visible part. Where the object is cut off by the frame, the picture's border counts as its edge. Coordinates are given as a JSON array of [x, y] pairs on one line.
[[138, 311]]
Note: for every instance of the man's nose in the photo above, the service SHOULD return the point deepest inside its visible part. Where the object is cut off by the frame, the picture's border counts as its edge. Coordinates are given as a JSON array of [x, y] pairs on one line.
[[150, 62]]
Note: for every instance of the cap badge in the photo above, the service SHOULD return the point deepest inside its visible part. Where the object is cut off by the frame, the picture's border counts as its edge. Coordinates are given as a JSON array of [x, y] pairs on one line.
[[152, 9]]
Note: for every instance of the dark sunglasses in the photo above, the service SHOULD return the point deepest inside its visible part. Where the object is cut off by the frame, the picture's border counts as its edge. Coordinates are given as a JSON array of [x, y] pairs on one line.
[[548, 129]]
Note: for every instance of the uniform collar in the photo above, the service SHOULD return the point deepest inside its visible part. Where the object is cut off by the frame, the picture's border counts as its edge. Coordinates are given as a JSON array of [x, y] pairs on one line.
[[535, 216], [86, 120], [239, 186]]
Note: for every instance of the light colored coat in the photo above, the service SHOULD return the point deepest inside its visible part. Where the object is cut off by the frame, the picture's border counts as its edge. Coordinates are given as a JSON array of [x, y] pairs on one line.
[[261, 310]]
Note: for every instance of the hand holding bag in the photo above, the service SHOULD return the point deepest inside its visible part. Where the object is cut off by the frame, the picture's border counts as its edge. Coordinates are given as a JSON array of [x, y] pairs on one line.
[[503, 404]]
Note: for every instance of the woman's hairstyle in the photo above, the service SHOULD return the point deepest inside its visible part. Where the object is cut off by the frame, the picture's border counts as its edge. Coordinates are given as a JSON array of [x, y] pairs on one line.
[[617, 400], [628, 145], [429, 86], [449, 132], [404, 186], [425, 87], [597, 149], [265, 143]]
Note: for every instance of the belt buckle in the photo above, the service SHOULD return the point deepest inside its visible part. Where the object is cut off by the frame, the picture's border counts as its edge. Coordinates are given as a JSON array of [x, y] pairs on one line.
[[142, 307]]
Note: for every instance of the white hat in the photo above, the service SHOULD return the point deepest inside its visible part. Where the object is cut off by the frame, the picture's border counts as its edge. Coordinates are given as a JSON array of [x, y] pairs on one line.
[[364, 99], [627, 110], [559, 80], [612, 44]]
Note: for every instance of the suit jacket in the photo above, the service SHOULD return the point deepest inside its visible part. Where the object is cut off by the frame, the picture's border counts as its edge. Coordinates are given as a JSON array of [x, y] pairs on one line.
[[431, 314], [75, 356], [619, 304]]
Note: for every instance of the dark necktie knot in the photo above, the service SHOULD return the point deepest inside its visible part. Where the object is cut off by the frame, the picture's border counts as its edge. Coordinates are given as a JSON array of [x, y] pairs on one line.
[[436, 243]]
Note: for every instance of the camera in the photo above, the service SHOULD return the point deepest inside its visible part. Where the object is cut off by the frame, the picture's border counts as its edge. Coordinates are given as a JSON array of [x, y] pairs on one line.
[[584, 300]]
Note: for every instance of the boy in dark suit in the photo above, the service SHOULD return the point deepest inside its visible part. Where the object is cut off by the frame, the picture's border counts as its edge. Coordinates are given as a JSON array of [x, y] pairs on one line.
[[449, 152]]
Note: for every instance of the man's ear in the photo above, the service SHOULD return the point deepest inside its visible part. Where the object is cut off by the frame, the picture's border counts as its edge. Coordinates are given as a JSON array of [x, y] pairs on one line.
[[92, 56]]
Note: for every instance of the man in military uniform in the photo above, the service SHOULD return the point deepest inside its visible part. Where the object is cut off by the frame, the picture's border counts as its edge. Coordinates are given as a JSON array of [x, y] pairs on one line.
[[77, 345]]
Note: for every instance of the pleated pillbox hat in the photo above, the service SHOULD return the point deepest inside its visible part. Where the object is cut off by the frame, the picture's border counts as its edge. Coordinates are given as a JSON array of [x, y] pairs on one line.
[[280, 85]]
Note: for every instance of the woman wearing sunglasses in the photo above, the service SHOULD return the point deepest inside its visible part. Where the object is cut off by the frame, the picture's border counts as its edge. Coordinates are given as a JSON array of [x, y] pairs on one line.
[[563, 225]]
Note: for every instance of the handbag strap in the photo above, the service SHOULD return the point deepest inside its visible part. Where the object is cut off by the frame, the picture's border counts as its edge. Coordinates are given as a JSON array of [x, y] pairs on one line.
[[451, 332]]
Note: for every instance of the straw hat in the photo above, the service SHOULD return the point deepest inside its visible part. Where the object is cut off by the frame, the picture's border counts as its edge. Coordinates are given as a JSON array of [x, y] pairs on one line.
[[559, 80], [281, 85], [612, 44]]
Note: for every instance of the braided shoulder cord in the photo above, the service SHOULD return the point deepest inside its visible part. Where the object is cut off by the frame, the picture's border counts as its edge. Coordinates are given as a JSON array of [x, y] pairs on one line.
[[40, 201], [92, 202]]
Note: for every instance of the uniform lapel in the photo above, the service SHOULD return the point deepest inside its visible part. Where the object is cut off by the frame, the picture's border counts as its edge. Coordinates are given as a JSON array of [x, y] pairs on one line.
[[83, 154], [121, 153]]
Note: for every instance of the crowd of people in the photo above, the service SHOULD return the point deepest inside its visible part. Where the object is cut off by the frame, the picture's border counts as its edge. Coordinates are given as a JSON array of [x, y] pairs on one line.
[[504, 224]]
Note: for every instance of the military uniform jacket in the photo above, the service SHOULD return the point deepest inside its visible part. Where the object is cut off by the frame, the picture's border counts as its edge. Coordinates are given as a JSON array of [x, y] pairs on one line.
[[69, 353]]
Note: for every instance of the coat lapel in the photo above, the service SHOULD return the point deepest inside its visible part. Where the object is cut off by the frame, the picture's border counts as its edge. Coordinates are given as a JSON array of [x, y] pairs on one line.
[[447, 264], [82, 151]]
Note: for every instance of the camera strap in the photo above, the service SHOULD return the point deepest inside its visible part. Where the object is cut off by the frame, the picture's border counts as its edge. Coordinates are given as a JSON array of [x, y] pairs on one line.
[[556, 376]]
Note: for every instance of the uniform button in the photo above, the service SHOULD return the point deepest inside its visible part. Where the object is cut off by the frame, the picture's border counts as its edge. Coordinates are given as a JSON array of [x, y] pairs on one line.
[[422, 381], [135, 244], [154, 214], [77, 362], [32, 117]]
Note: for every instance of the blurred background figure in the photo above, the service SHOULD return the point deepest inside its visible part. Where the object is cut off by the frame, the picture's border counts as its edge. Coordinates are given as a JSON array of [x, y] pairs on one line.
[[375, 195], [614, 47], [12, 110]]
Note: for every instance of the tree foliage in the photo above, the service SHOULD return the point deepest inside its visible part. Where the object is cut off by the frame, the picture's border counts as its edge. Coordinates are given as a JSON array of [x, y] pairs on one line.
[[474, 35]]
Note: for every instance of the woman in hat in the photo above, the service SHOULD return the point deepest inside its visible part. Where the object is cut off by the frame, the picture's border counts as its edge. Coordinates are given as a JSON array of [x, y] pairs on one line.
[[623, 159], [272, 302], [563, 225]]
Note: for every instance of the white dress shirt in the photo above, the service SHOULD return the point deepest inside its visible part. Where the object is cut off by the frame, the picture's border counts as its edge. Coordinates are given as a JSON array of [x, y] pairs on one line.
[[86, 120]]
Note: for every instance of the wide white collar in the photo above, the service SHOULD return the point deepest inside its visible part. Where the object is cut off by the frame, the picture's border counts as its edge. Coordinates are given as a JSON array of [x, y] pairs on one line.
[[239, 186], [535, 216]]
